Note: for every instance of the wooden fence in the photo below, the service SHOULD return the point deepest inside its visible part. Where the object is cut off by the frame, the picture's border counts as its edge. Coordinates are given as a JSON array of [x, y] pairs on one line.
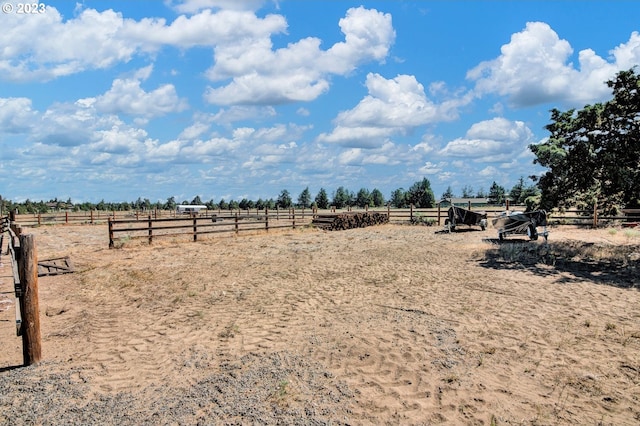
[[23, 256], [162, 223], [203, 224]]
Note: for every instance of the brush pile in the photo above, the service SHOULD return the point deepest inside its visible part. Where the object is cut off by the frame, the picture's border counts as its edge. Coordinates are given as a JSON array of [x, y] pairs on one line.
[[342, 221]]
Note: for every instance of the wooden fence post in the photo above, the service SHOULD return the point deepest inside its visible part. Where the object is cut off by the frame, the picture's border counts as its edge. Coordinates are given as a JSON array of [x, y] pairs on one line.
[[29, 306], [438, 214], [411, 213], [150, 230], [110, 222], [195, 229], [266, 218], [236, 222], [595, 214], [389, 211]]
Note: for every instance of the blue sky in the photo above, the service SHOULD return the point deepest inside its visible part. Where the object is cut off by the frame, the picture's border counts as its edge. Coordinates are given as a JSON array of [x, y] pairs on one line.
[[115, 100]]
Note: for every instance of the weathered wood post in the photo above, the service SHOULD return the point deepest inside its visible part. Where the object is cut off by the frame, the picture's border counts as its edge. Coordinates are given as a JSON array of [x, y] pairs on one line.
[[389, 211], [91, 217], [595, 213], [29, 306], [438, 214], [195, 229], [150, 222], [236, 224], [411, 213], [110, 222], [66, 218], [266, 219]]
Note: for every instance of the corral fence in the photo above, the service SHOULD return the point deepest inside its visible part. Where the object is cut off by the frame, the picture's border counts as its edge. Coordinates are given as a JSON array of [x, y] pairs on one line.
[[23, 257], [205, 223], [152, 224]]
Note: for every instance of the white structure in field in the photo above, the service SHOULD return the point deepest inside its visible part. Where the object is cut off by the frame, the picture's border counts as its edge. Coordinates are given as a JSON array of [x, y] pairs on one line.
[[190, 208]]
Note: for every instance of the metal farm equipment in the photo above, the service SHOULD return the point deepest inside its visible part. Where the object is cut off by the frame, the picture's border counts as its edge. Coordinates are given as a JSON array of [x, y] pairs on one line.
[[459, 216]]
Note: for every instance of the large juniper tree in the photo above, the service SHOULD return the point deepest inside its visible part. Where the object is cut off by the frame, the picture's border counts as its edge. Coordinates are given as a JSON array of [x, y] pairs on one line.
[[593, 155]]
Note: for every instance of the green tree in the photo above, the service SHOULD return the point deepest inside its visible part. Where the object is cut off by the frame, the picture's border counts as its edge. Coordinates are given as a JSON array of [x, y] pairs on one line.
[[211, 205], [270, 204], [467, 191], [496, 194], [517, 191], [304, 199], [377, 198], [593, 155], [363, 198], [170, 204], [399, 198], [245, 204], [322, 200], [421, 195], [448, 193], [284, 200], [341, 198]]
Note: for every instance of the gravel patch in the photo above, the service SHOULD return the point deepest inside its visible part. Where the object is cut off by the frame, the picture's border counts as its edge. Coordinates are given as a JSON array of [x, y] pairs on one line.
[[279, 388]]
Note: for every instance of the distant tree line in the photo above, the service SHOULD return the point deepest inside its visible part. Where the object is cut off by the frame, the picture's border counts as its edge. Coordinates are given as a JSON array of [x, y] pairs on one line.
[[419, 195]]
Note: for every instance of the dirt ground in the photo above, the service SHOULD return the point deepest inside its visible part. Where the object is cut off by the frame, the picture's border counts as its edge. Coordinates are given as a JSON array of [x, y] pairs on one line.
[[393, 324]]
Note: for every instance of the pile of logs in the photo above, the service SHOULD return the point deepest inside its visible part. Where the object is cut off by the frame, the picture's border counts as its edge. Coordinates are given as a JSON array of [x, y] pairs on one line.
[[342, 221]]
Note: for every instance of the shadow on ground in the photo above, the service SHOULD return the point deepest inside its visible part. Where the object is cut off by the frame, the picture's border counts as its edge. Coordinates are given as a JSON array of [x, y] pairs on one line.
[[568, 261]]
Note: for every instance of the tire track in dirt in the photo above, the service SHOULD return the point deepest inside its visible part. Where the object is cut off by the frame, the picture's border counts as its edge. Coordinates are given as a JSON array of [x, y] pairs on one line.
[[412, 322]]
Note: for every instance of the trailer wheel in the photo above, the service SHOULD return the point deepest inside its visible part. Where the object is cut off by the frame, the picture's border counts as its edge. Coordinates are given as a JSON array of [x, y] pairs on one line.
[[532, 233]]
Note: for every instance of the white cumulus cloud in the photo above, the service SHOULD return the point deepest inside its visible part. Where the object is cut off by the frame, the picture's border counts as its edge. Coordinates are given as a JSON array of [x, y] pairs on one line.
[[300, 71], [534, 68], [392, 107], [494, 140]]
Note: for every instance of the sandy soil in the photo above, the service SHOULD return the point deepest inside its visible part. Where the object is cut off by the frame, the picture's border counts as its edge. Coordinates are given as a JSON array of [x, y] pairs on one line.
[[393, 324]]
